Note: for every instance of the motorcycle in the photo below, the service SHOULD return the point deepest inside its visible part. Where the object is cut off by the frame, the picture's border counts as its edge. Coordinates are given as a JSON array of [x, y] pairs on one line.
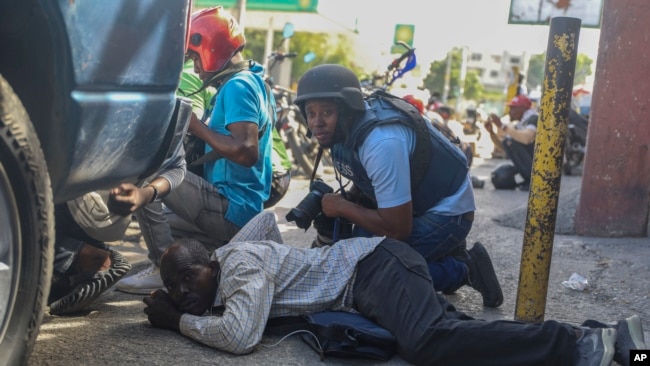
[[576, 142], [290, 122], [394, 71]]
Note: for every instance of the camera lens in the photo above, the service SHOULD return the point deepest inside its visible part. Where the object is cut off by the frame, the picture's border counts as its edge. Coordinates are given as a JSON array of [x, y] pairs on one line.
[[310, 206]]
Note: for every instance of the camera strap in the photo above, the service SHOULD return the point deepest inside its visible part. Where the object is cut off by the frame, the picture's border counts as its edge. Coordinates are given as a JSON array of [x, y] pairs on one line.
[[337, 220], [318, 157], [335, 232]]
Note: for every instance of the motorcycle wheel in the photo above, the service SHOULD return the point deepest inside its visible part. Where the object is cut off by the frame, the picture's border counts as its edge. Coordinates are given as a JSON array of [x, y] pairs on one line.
[[573, 156], [26, 231]]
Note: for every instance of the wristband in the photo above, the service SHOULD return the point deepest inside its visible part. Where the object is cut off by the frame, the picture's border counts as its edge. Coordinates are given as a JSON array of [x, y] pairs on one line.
[[155, 193]]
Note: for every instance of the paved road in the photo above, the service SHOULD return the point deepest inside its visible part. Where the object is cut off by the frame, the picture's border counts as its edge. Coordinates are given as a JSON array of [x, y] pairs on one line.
[[115, 330]]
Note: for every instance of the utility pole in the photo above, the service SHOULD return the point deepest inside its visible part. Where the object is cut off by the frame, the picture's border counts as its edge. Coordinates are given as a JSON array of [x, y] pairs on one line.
[[461, 81], [268, 45], [240, 15], [445, 91]]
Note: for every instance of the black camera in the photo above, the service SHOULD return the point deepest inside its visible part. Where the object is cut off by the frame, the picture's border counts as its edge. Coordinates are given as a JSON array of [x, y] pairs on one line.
[[331, 229], [310, 206]]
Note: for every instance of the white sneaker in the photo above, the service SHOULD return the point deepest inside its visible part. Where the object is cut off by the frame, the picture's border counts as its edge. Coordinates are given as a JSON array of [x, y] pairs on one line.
[[141, 283]]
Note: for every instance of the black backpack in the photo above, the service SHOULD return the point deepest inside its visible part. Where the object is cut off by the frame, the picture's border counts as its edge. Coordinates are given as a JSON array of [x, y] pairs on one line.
[[337, 334]]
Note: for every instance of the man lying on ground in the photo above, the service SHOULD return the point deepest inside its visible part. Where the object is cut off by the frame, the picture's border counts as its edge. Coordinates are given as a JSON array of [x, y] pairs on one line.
[[225, 301]]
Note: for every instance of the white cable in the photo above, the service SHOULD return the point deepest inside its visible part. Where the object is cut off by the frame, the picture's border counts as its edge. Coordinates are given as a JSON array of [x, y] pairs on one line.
[[320, 348]]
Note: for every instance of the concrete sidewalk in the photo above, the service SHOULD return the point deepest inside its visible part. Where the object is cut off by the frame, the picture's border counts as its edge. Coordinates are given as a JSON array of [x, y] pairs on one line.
[[115, 330]]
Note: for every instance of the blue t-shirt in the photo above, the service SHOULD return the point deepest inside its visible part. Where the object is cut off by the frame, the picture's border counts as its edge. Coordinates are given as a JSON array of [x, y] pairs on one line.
[[242, 99]]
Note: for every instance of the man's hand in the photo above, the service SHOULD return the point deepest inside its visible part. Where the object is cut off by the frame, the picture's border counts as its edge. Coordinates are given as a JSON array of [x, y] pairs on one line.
[[196, 126], [127, 198], [332, 203], [161, 311], [493, 119]]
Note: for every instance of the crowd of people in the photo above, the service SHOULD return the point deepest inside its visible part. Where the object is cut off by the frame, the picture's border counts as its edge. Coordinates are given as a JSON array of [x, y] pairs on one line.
[[411, 204]]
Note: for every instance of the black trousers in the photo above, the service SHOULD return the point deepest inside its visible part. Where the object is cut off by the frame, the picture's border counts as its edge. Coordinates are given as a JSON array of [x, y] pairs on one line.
[[393, 287], [521, 156]]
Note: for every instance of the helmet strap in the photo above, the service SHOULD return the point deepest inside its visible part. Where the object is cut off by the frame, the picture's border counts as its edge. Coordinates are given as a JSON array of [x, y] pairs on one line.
[[319, 155], [222, 76]]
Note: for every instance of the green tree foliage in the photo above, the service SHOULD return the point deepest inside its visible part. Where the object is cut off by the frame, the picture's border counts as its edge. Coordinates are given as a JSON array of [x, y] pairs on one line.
[[435, 80], [473, 86], [583, 68], [327, 48], [537, 64], [535, 74]]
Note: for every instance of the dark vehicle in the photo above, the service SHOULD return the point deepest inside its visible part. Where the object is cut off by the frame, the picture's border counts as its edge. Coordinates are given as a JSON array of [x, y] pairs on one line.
[[87, 100]]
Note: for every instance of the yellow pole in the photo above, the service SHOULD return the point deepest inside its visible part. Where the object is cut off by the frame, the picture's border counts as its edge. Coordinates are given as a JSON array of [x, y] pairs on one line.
[[547, 169]]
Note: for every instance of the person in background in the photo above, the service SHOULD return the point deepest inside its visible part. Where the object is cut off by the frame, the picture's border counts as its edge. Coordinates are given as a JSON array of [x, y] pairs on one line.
[[518, 136], [434, 101], [440, 119], [237, 173]]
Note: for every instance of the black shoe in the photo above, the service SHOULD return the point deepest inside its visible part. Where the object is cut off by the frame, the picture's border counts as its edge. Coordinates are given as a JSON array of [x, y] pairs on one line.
[[84, 288], [629, 336], [482, 277]]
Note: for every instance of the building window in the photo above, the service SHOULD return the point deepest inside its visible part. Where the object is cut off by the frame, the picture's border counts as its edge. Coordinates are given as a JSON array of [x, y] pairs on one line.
[[476, 57], [494, 74], [515, 60]]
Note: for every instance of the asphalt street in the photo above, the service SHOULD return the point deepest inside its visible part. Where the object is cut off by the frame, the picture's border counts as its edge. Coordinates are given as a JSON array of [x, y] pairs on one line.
[[115, 330]]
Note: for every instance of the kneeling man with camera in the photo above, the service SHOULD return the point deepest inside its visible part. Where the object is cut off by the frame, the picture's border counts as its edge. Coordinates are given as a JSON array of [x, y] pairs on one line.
[[410, 182]]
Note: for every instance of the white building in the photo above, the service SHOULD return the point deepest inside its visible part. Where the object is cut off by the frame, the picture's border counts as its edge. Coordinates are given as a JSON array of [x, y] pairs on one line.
[[495, 71]]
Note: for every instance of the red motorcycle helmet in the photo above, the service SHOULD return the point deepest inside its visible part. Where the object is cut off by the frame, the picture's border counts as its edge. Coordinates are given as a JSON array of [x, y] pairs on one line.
[[215, 36]]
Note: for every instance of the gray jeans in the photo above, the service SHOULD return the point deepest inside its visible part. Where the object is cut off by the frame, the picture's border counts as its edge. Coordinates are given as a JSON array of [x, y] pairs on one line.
[[195, 201]]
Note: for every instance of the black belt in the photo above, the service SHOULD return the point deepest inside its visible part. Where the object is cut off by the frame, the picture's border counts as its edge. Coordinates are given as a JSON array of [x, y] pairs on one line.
[[469, 216]]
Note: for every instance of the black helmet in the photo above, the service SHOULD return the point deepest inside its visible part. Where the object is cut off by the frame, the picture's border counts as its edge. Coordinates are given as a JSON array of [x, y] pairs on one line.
[[503, 177], [330, 81]]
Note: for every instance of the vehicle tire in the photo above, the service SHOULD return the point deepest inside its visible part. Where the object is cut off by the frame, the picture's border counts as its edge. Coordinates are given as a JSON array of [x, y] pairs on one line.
[[26, 230]]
